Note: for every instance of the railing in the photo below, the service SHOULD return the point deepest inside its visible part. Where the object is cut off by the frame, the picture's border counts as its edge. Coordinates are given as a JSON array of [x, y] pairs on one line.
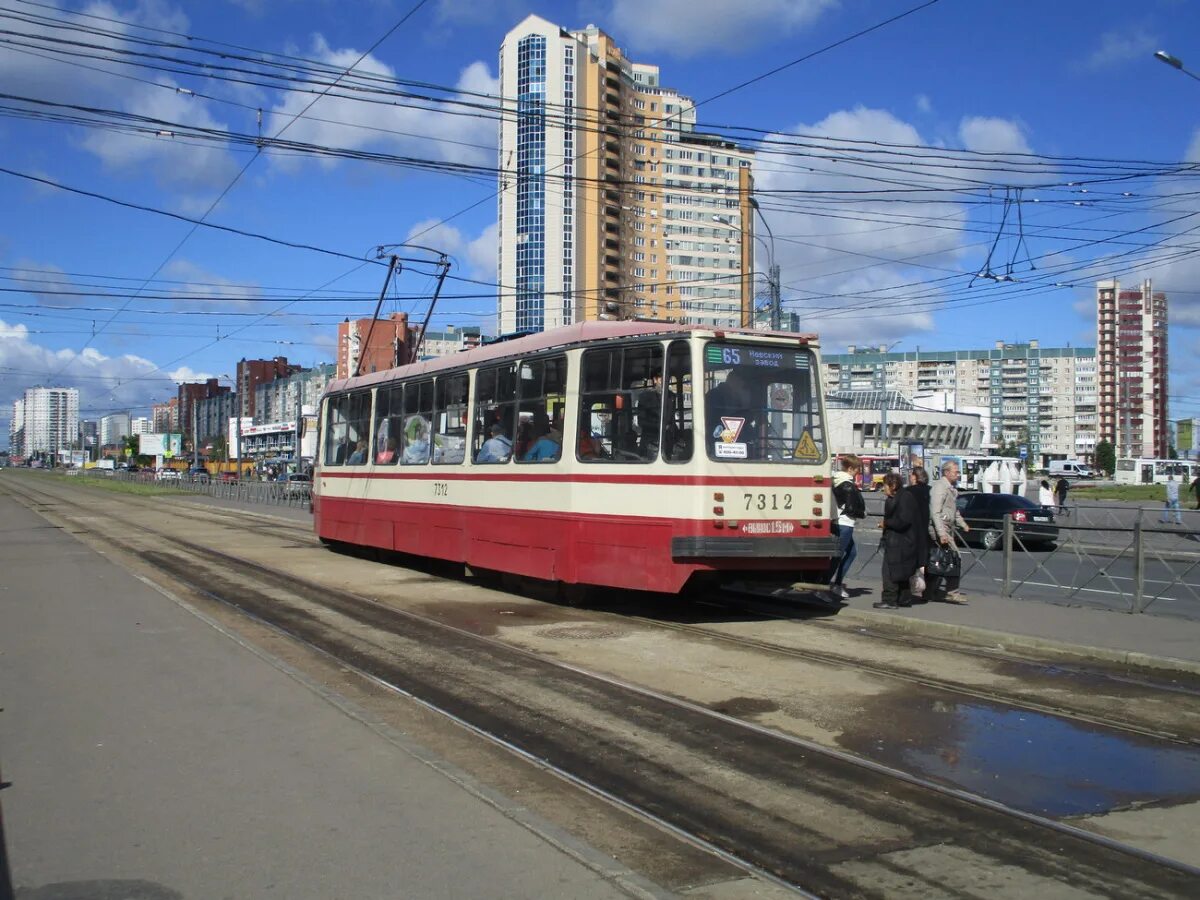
[[276, 493], [1116, 557]]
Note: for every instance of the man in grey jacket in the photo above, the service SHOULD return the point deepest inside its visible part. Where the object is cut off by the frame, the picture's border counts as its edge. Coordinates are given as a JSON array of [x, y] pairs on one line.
[[943, 517]]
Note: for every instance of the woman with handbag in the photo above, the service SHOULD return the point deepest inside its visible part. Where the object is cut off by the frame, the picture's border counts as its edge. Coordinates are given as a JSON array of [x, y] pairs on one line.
[[900, 546], [918, 486]]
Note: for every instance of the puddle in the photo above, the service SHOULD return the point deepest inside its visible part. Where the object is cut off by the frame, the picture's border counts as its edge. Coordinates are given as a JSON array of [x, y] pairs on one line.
[[1027, 760]]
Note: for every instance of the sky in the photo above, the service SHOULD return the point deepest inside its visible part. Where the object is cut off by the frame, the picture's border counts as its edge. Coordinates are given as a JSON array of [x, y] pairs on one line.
[[960, 175]]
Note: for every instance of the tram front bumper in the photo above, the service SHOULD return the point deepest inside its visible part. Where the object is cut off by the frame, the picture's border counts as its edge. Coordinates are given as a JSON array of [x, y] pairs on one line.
[[699, 547]]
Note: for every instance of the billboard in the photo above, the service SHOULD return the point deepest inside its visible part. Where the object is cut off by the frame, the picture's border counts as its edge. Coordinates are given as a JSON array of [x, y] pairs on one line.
[[164, 445]]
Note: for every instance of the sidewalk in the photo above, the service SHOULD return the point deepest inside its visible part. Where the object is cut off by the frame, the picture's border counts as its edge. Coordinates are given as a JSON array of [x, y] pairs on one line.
[[1156, 642]]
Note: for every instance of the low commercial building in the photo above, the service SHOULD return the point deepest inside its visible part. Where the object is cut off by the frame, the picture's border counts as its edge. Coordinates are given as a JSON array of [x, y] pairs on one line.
[[857, 424]]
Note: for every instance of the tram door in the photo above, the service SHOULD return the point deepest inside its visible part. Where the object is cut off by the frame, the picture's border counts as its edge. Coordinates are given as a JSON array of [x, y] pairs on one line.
[[1147, 473]]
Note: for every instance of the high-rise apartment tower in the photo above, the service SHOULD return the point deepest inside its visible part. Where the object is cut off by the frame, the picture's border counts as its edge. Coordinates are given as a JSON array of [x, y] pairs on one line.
[[611, 204], [1131, 356]]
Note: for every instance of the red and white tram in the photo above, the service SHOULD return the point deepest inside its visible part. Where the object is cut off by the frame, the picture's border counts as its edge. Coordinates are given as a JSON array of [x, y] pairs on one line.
[[621, 454]]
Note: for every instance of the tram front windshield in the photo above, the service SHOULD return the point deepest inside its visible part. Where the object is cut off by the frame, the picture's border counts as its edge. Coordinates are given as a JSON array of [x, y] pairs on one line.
[[762, 404]]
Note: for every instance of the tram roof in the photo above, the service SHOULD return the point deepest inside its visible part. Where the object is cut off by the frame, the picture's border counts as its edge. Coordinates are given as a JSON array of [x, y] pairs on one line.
[[566, 336]]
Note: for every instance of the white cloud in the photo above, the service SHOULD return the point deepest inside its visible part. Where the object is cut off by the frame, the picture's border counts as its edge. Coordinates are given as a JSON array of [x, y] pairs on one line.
[[476, 256], [173, 162], [924, 104], [691, 27], [989, 134], [106, 383], [439, 131], [845, 264], [217, 292], [45, 77], [1117, 47]]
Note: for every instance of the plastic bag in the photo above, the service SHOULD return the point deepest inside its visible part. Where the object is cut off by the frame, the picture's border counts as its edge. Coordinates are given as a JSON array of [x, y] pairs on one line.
[[916, 584]]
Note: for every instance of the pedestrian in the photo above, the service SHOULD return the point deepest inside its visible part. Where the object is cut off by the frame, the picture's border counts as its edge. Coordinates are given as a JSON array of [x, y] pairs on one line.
[[1196, 490], [1060, 491], [849, 508], [899, 543], [943, 518], [1172, 502], [918, 486], [1045, 495]]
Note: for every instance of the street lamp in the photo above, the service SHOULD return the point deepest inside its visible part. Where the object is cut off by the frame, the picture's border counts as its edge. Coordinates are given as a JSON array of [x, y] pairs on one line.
[[772, 272], [883, 426], [1175, 63]]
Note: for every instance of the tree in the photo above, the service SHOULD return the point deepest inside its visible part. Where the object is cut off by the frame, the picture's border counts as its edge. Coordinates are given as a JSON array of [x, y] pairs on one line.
[[1172, 453], [131, 442], [217, 449], [1106, 457]]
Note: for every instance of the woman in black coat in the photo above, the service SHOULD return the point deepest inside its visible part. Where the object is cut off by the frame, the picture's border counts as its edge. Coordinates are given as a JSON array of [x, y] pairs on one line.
[[918, 486], [901, 521]]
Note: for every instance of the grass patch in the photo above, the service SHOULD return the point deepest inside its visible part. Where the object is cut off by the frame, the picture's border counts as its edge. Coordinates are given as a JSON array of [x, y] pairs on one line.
[[111, 484], [1123, 492]]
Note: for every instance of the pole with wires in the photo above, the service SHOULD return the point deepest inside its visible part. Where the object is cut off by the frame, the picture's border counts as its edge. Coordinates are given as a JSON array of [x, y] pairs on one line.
[[365, 347], [443, 265]]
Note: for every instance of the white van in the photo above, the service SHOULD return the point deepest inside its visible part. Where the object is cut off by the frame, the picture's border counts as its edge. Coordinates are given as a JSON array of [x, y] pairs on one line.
[[1069, 468]]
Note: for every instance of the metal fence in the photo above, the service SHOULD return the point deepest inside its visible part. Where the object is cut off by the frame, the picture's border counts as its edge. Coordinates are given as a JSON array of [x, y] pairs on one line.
[[1120, 557], [274, 493]]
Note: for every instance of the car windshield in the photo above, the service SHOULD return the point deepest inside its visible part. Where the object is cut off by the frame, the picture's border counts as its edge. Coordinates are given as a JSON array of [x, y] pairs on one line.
[[762, 404]]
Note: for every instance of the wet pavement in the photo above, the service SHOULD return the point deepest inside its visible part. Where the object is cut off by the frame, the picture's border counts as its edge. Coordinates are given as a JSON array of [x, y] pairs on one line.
[[1044, 764]]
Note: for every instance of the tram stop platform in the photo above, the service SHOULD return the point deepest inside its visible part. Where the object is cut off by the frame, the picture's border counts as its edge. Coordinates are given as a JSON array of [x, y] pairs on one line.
[[1082, 633]]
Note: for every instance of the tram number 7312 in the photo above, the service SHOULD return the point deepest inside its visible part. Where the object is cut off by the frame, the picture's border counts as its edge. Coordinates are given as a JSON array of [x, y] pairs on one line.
[[772, 502]]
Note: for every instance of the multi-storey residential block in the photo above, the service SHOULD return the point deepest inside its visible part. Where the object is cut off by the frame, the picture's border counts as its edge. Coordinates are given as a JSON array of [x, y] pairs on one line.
[[45, 423], [452, 340], [189, 395], [1131, 344], [114, 428], [372, 345], [141, 425], [282, 400], [1042, 398], [253, 372], [611, 204], [166, 417]]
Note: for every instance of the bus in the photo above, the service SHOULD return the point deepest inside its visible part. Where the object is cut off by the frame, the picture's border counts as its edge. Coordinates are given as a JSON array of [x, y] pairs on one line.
[[1155, 471], [640, 455]]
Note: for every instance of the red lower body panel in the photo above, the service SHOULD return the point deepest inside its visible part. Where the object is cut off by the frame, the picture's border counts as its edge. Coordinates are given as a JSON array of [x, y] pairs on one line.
[[633, 553]]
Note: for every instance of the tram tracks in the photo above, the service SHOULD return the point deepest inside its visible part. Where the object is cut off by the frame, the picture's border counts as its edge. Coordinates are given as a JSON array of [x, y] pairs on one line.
[[810, 816], [1015, 697]]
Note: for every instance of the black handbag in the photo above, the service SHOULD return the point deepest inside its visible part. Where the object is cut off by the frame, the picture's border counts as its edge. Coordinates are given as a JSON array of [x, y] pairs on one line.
[[944, 562]]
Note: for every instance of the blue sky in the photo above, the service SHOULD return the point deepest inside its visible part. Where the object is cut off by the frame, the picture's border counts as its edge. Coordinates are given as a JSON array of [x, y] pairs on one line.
[[122, 302]]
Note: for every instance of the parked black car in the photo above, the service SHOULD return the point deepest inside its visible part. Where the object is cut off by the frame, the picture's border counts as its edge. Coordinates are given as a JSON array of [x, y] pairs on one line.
[[985, 513]]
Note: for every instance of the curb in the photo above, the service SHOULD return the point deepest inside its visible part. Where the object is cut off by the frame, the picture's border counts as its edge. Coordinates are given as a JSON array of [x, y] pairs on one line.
[[1003, 640]]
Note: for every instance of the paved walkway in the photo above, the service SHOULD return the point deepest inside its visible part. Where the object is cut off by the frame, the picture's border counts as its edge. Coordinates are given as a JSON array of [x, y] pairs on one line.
[[153, 757], [1093, 633]]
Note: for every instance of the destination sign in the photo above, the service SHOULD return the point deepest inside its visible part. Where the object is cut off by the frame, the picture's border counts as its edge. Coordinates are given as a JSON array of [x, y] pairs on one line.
[[747, 355]]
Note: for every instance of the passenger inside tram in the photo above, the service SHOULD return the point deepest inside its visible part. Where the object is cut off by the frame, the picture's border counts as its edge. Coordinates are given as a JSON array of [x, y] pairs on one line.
[[387, 455], [547, 443], [497, 448], [359, 456], [416, 441]]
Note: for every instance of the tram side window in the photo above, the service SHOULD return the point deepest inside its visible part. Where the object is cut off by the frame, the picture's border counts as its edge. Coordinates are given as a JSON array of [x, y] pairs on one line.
[[620, 410], [495, 414], [337, 411], [418, 414], [542, 386], [389, 424], [677, 439], [450, 420], [358, 431]]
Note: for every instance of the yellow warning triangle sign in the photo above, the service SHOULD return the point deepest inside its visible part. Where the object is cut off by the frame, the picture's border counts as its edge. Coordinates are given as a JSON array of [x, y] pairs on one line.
[[806, 448]]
